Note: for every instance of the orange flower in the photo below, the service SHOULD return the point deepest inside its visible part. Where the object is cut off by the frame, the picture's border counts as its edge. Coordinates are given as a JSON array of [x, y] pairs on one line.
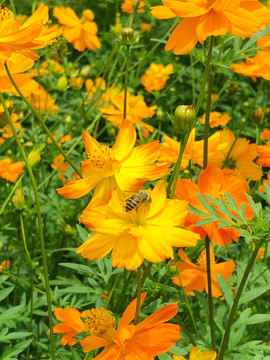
[[128, 5], [264, 152], [156, 76], [217, 119], [214, 182], [210, 18], [146, 27], [10, 170], [62, 140], [257, 66], [241, 157], [151, 336], [193, 151], [63, 167], [31, 35], [136, 109], [17, 64], [265, 135], [71, 325], [194, 277], [265, 181], [148, 231], [121, 166], [42, 101], [6, 131], [197, 354], [95, 89], [82, 33]]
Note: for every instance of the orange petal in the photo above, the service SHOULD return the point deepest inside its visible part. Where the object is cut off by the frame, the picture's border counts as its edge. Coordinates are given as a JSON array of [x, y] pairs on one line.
[[93, 342], [129, 313]]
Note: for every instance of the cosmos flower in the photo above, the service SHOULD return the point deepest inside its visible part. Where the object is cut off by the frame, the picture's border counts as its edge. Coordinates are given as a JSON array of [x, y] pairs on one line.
[[128, 5], [194, 277], [210, 18], [156, 76], [31, 35], [10, 170], [82, 33], [121, 166], [264, 153], [265, 135], [151, 336], [17, 64], [197, 354], [62, 166], [136, 109], [216, 119], [214, 182], [147, 232], [254, 67], [42, 101]]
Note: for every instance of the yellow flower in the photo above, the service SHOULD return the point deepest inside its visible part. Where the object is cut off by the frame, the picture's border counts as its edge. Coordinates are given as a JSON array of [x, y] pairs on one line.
[[217, 119], [156, 76], [148, 231], [197, 354], [82, 33], [10, 170]]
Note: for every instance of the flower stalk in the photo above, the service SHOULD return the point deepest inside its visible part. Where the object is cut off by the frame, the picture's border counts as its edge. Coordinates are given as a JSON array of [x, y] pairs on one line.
[[139, 289]]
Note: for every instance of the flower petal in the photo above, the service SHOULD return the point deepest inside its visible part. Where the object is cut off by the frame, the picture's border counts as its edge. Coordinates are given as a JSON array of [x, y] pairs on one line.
[[93, 342], [96, 247], [125, 253], [125, 141]]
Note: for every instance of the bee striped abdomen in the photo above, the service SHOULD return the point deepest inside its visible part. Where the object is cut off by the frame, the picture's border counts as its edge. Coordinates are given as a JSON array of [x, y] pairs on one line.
[[132, 202]]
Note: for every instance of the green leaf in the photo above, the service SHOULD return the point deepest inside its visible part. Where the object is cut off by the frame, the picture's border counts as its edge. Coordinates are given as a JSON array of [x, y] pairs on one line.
[[4, 293], [267, 191], [195, 211], [81, 269], [206, 204], [84, 235], [253, 294], [15, 350], [255, 319], [226, 289]]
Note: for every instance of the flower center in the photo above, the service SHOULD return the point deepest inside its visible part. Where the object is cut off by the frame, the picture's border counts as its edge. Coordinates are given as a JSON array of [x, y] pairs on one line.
[[202, 260], [230, 164], [101, 155], [221, 195], [99, 322], [5, 14]]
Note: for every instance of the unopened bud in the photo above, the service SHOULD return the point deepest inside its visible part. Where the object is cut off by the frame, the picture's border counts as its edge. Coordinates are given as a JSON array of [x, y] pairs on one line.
[[68, 230], [233, 89], [258, 116], [18, 199], [34, 156], [128, 36], [185, 118], [61, 83]]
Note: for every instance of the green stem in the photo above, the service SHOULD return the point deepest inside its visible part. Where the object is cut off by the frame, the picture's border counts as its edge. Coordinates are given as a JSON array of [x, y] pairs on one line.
[[205, 74], [88, 356], [210, 297], [126, 82], [173, 180], [139, 289], [41, 236], [236, 300], [11, 193], [40, 120], [112, 290], [244, 122]]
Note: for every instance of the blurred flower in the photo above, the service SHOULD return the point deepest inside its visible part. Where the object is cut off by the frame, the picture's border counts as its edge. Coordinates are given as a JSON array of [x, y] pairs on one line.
[[121, 166], [264, 153], [145, 27], [10, 170], [49, 68], [260, 254], [194, 277], [5, 129], [214, 98], [62, 166], [210, 18], [265, 181], [95, 89], [241, 157], [265, 135], [136, 109], [42, 101], [71, 325], [151, 336], [17, 64], [214, 182], [31, 35], [156, 76], [6, 264], [146, 232], [216, 119], [62, 140], [76, 82], [82, 33], [127, 6]]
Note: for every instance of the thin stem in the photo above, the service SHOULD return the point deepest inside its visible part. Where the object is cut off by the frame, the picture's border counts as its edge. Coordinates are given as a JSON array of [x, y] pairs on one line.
[[11, 193], [40, 120], [139, 288], [236, 300], [205, 74], [210, 297], [41, 236], [126, 82], [244, 122]]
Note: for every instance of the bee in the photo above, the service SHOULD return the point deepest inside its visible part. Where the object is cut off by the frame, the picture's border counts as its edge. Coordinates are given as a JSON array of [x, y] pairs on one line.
[[137, 199]]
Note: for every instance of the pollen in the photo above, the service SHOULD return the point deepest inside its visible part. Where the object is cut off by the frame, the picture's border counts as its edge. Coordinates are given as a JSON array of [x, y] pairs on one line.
[[220, 196], [101, 155], [5, 14], [202, 260], [99, 322]]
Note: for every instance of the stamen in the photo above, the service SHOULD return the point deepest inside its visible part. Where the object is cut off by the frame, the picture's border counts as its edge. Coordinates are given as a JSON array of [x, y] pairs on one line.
[[5, 14], [99, 322]]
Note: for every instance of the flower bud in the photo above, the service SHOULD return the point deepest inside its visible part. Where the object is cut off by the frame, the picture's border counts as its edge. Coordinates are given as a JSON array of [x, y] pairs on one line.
[[185, 118], [34, 156], [233, 89], [18, 199], [68, 230], [258, 116], [61, 83], [128, 37]]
